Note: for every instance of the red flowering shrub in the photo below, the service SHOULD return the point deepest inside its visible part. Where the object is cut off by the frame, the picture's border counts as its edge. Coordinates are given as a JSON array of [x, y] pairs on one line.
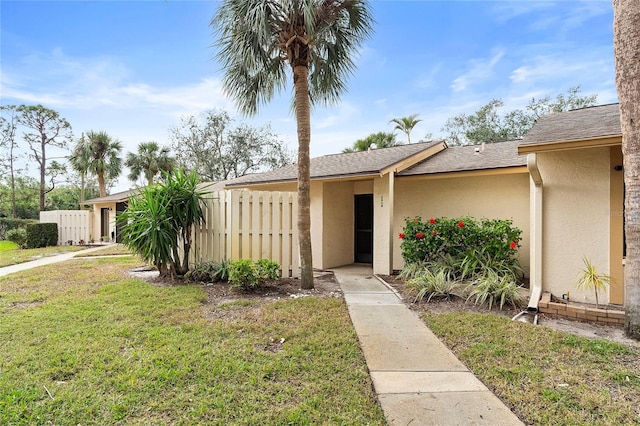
[[461, 239]]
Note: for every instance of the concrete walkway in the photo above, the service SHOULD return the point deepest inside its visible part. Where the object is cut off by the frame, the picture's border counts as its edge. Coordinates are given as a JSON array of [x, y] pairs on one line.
[[418, 381], [48, 260]]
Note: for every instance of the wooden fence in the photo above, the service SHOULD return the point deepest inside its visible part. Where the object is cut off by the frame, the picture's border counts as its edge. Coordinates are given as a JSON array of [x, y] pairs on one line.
[[73, 225], [249, 225]]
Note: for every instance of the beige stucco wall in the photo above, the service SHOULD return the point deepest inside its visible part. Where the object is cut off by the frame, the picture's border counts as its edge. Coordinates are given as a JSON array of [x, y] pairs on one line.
[[338, 224], [575, 218], [332, 220], [494, 197], [383, 202]]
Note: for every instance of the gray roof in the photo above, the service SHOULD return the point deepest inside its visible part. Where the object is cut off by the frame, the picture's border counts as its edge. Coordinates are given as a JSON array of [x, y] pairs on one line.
[[117, 197], [353, 164], [465, 158], [584, 123], [125, 195]]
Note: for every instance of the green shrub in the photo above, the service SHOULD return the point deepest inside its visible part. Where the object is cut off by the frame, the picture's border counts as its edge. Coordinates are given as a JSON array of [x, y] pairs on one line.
[[493, 288], [435, 283], [463, 243], [268, 269], [243, 274], [210, 272], [246, 274], [412, 270], [18, 236], [8, 223], [42, 235]]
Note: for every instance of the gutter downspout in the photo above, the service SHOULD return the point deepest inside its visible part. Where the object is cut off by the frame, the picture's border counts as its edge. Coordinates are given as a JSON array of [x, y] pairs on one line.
[[536, 185]]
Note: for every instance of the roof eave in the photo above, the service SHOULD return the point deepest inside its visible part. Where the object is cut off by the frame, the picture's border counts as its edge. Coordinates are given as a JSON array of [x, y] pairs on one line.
[[414, 159], [324, 178], [598, 141], [471, 172]]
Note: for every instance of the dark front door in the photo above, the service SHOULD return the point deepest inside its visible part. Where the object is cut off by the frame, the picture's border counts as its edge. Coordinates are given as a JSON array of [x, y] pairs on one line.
[[104, 223], [364, 228]]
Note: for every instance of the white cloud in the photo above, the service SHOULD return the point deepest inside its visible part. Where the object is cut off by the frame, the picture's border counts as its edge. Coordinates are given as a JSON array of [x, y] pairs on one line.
[[507, 10], [60, 81], [480, 69], [574, 69], [550, 15], [342, 114], [428, 80]]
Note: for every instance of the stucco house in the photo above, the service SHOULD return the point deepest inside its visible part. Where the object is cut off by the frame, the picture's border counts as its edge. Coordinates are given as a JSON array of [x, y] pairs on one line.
[[103, 217], [359, 201], [562, 185], [577, 200]]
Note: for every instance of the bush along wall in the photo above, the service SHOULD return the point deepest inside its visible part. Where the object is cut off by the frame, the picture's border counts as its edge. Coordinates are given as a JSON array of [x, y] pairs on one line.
[[463, 243], [7, 224], [463, 257], [42, 235]]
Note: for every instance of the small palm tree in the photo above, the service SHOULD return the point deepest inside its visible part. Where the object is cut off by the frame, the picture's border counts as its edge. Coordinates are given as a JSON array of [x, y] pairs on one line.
[[79, 160], [379, 140], [104, 158], [591, 279], [406, 124], [149, 161], [158, 223], [317, 40]]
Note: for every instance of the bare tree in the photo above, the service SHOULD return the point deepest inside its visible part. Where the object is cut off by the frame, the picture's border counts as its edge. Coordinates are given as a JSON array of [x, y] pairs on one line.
[[45, 128], [216, 150], [8, 126]]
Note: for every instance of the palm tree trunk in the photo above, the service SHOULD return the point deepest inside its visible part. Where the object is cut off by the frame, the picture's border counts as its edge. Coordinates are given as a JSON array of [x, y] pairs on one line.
[[626, 47], [82, 185], [303, 122], [102, 185]]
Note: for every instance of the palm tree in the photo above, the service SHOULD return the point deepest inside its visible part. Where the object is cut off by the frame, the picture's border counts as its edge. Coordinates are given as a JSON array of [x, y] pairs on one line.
[[158, 223], [406, 124], [379, 140], [104, 160], [149, 161], [626, 45], [79, 160], [318, 40]]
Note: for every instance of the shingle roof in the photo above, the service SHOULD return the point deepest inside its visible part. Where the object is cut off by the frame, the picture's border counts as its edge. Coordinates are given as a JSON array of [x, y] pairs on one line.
[[125, 195], [118, 196], [465, 158], [351, 164], [585, 123]]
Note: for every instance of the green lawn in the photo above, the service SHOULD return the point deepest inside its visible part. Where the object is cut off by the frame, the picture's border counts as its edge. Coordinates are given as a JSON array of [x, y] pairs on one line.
[[547, 377], [13, 257], [7, 245], [84, 343], [110, 250]]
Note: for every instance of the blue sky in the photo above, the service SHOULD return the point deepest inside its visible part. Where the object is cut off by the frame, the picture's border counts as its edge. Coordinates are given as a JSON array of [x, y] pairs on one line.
[[133, 68]]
